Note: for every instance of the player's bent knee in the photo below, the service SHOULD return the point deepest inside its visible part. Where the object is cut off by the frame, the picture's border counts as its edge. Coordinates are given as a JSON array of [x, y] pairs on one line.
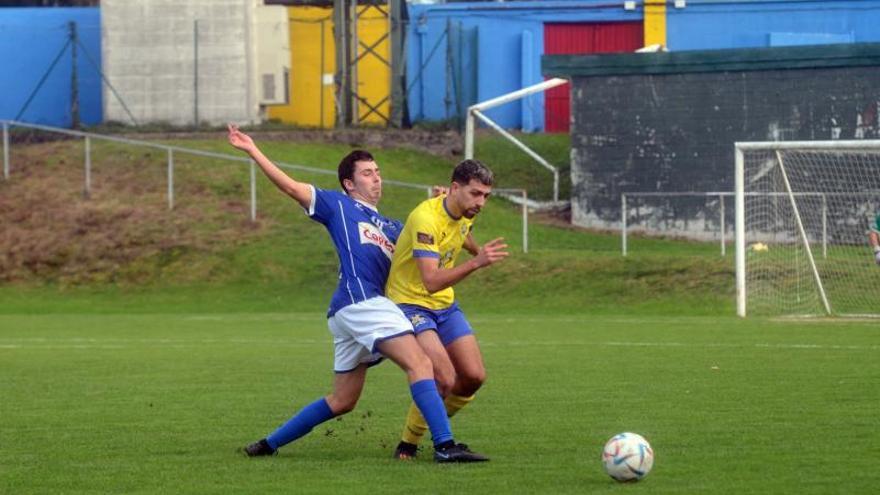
[[445, 381], [341, 405], [469, 383]]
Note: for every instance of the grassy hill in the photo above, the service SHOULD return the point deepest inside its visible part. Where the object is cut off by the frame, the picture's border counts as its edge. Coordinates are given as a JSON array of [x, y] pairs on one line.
[[123, 250]]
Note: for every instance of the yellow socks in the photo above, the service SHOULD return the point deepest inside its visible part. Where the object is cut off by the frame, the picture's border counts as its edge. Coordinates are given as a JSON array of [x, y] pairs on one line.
[[415, 424]]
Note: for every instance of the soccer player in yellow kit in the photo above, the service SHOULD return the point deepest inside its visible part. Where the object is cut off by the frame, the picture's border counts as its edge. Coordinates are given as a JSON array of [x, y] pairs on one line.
[[422, 274]]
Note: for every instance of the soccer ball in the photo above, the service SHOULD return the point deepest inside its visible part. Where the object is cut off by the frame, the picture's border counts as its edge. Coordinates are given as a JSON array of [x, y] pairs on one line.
[[759, 247], [627, 457]]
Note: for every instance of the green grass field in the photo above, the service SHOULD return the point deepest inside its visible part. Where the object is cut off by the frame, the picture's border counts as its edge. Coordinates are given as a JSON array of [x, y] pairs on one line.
[[781, 281], [149, 403], [146, 377]]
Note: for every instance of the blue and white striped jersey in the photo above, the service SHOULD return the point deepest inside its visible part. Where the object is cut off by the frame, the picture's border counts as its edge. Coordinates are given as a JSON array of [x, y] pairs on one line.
[[364, 241]]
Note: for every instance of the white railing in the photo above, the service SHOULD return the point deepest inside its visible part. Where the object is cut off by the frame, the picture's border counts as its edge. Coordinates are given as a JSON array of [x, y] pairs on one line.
[[171, 150], [478, 109]]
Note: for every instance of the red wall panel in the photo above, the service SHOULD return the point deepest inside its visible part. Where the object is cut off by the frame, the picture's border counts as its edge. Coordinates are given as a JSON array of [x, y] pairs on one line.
[[582, 38]]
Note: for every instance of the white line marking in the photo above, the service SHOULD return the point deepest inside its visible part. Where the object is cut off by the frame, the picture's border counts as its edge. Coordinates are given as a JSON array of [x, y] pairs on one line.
[[115, 343]]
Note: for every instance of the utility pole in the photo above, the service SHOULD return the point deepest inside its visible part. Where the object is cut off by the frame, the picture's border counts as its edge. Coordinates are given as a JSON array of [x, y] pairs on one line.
[[196, 73], [74, 85], [398, 73], [342, 36]]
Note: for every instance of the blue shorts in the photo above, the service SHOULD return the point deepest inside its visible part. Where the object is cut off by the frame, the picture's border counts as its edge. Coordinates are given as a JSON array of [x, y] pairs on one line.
[[449, 323]]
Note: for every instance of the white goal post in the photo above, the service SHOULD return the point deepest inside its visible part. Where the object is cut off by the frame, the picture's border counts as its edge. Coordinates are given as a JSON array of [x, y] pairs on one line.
[[804, 210]]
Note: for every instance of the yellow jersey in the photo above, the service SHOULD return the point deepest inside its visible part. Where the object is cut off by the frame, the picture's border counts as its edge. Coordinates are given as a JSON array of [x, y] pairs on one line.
[[430, 232]]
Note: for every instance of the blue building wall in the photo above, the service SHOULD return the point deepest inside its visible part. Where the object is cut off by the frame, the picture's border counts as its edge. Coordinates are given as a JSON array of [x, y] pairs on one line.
[[504, 41], [716, 24], [30, 40]]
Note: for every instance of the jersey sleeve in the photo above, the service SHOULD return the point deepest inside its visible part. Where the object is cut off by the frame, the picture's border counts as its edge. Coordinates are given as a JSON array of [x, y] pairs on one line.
[[321, 208], [424, 236]]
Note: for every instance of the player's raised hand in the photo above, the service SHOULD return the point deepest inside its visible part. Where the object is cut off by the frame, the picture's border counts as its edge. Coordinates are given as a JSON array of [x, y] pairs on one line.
[[439, 191], [491, 252], [239, 139]]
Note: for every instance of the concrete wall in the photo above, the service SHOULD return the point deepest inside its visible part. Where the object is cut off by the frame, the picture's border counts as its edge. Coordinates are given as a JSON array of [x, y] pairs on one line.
[[30, 40], [668, 122], [149, 57], [272, 34], [495, 49], [718, 24]]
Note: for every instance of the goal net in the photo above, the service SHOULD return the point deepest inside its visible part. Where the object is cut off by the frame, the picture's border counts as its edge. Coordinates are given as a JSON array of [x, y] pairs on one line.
[[804, 211]]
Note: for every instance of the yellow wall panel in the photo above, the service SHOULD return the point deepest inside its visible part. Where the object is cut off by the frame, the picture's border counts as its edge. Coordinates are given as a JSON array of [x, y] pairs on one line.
[[374, 73], [311, 100], [655, 22]]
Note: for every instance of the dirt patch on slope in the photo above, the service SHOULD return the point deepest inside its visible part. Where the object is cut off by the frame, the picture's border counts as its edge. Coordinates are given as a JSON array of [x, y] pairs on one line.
[[124, 232]]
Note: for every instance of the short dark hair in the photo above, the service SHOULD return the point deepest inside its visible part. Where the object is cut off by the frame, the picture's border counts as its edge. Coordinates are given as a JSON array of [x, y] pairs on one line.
[[468, 170], [346, 166]]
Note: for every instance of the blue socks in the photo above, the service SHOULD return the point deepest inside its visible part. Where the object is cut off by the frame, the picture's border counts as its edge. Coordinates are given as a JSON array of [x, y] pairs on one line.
[[427, 398], [424, 393], [309, 417]]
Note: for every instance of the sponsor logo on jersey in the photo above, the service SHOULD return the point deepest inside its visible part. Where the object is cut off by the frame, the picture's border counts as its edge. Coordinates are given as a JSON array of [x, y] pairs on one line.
[[370, 234], [424, 238], [378, 222]]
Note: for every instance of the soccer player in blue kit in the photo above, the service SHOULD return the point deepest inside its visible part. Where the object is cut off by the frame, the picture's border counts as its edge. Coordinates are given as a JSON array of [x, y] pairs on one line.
[[365, 324]]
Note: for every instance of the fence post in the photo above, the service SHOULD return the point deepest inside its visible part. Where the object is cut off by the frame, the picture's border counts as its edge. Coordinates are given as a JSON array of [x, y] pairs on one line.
[[88, 187], [469, 130], [6, 150], [555, 185], [170, 179], [253, 192], [723, 247], [525, 217], [623, 223]]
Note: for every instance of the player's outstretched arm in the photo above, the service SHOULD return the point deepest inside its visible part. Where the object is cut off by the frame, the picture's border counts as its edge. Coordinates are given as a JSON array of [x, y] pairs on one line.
[[299, 191], [436, 278]]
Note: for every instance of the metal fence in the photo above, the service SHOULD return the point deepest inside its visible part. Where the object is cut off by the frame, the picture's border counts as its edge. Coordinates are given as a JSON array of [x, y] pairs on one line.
[[517, 195]]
